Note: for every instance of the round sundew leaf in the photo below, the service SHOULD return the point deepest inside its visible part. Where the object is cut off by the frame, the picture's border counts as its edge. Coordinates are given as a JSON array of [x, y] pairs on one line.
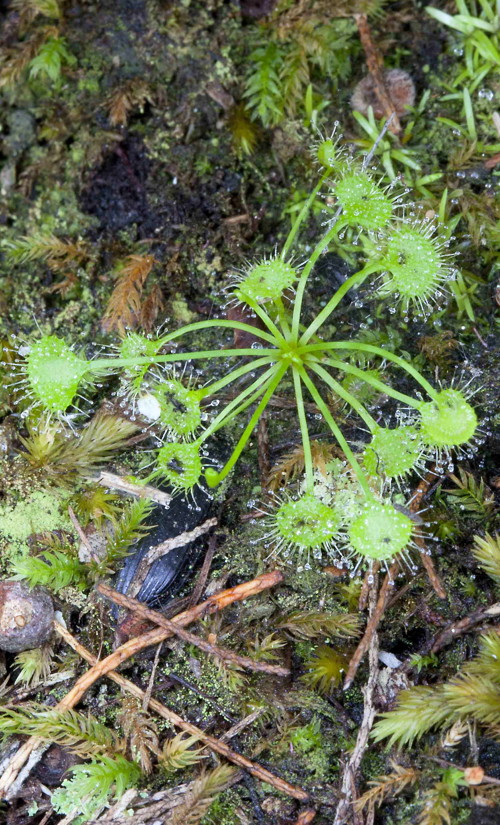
[[449, 421], [179, 407], [179, 465], [306, 522], [363, 203], [54, 372], [392, 453], [267, 281], [415, 263], [380, 532]]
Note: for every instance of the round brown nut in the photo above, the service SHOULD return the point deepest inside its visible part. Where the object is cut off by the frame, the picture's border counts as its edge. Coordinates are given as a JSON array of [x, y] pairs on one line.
[[26, 616], [400, 88]]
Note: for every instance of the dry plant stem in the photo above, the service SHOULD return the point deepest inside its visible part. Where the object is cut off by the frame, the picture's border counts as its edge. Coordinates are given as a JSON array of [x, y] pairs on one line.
[[365, 589], [149, 689], [450, 633], [242, 724], [120, 483], [130, 648], [205, 569], [348, 789], [375, 64], [487, 780], [373, 623], [211, 742], [169, 624], [430, 569], [305, 817], [420, 492]]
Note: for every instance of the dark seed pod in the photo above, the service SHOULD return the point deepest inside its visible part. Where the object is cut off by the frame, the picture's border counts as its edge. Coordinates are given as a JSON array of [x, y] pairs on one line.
[[26, 616]]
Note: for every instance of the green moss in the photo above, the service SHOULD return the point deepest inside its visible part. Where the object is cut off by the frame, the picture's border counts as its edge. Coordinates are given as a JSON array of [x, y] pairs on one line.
[[42, 511]]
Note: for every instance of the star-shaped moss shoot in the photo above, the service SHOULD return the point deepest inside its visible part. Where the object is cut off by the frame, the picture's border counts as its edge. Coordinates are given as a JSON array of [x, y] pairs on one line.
[[266, 281], [416, 263], [393, 453], [179, 465], [306, 523], [449, 421], [363, 202], [380, 532], [54, 373]]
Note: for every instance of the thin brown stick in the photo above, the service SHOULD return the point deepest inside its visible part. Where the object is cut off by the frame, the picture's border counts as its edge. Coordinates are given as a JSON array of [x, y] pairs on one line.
[[216, 602], [375, 63], [205, 569], [305, 817], [149, 689], [430, 569], [169, 624], [211, 742], [121, 483], [242, 724], [365, 589], [372, 624], [348, 788], [458, 628]]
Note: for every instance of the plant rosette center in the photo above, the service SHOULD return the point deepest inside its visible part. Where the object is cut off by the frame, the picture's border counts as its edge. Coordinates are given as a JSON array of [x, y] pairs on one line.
[[449, 421], [380, 532], [54, 372]]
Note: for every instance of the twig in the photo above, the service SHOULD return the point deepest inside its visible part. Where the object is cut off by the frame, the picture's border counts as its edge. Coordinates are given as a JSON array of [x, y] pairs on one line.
[[375, 64], [305, 817], [430, 569], [211, 742], [216, 602], [348, 788], [115, 482], [458, 628], [165, 547], [365, 589], [372, 624], [242, 724], [169, 624], [79, 529], [205, 569], [486, 780], [149, 689]]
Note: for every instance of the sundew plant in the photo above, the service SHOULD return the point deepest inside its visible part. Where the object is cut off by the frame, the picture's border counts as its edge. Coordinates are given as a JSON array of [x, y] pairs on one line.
[[407, 263]]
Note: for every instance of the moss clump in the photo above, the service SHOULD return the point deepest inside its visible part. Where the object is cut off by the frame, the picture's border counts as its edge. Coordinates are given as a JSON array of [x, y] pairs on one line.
[[42, 511]]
